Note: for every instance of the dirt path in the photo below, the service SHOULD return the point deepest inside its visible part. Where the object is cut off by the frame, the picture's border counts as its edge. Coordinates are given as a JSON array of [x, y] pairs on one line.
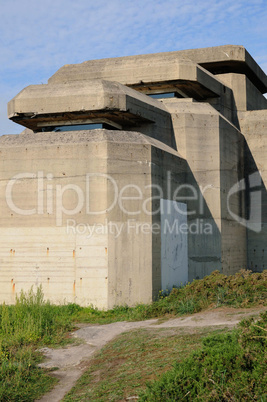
[[72, 361]]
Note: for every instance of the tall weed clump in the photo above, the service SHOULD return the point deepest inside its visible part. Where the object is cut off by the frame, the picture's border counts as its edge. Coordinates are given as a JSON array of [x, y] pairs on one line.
[[32, 320], [228, 367], [29, 323]]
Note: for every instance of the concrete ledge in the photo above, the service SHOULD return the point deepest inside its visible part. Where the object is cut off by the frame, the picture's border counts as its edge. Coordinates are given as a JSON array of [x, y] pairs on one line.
[[82, 137], [164, 72], [132, 69], [230, 59], [76, 102]]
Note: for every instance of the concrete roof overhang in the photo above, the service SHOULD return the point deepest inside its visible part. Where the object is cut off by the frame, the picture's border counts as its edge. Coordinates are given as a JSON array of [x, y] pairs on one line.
[[80, 102], [163, 67], [163, 72]]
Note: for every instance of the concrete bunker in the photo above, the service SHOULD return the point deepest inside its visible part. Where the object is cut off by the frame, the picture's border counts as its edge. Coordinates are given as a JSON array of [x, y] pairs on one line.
[[108, 194]]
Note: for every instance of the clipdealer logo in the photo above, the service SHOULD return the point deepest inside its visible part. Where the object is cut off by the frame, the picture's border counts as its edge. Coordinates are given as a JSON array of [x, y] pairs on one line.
[[49, 196]]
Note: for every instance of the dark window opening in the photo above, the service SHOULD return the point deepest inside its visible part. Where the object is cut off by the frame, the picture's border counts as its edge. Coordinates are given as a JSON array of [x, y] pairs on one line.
[[78, 127], [165, 95]]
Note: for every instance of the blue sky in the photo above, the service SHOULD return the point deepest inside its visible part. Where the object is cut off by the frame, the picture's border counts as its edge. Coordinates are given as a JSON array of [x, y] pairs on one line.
[[37, 38]]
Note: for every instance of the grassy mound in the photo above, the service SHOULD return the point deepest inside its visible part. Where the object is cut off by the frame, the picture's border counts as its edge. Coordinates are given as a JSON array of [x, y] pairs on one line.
[[244, 289], [228, 367]]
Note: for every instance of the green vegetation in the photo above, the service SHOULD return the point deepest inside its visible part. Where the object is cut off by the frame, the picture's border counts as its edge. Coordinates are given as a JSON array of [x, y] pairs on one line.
[[30, 323], [33, 322], [228, 367], [223, 366], [125, 365], [244, 289]]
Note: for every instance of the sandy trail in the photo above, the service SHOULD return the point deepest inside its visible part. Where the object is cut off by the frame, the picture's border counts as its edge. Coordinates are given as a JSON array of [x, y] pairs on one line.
[[72, 360]]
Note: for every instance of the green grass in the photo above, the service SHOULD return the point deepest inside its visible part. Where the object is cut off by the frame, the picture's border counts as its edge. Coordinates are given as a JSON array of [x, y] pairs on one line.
[[24, 327], [228, 367], [123, 367], [33, 322]]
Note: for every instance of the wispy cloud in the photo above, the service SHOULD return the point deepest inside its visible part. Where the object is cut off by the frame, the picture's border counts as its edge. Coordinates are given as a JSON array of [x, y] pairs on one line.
[[38, 38]]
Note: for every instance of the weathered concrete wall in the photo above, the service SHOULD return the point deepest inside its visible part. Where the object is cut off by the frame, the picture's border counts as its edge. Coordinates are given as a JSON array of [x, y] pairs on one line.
[[130, 251], [246, 95], [134, 256], [168, 174], [213, 148], [233, 235], [254, 127], [39, 248], [71, 249]]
